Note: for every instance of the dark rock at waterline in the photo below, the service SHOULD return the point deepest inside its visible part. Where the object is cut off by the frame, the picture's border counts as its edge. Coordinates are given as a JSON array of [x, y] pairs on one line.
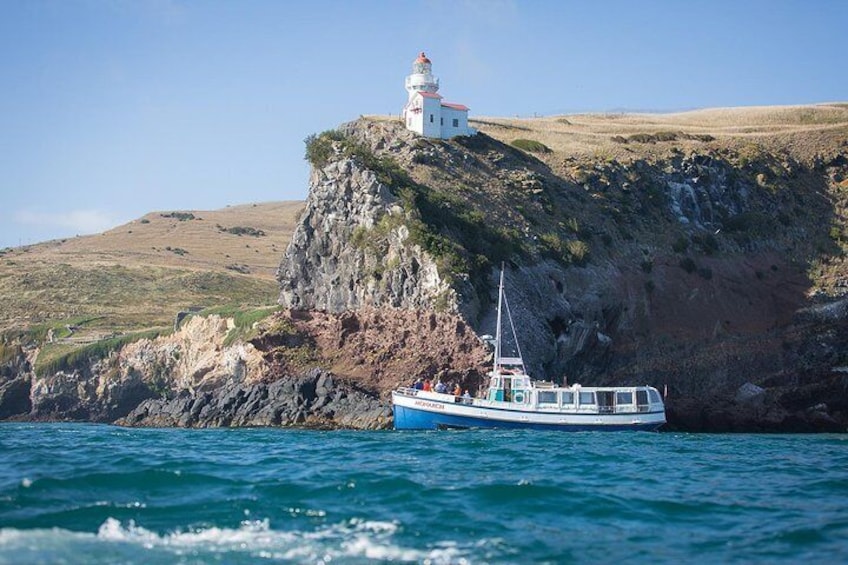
[[755, 410], [14, 397], [314, 400]]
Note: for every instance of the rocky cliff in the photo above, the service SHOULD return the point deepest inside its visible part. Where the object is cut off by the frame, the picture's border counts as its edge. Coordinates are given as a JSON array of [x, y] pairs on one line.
[[701, 268], [191, 378]]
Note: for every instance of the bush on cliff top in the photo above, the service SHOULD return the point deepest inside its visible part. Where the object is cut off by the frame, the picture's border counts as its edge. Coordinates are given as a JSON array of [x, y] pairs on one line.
[[531, 145], [244, 320], [319, 148]]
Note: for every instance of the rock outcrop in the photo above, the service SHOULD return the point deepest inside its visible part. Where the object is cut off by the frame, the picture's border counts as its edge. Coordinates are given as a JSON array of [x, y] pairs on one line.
[[351, 248], [314, 400], [188, 379]]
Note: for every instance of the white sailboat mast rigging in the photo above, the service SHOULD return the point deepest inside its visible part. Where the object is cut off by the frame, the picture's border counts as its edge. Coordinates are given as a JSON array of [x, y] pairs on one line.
[[503, 304]]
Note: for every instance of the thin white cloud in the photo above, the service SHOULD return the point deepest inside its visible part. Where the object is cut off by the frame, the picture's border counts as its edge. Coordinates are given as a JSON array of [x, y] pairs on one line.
[[78, 221]]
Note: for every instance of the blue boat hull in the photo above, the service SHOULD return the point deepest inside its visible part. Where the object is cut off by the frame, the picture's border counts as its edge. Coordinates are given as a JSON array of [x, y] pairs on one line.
[[406, 418]]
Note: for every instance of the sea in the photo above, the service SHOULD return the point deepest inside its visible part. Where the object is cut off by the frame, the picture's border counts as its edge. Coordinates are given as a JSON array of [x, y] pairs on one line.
[[84, 493]]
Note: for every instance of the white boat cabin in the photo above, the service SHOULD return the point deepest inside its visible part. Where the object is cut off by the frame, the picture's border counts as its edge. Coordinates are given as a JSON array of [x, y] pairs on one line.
[[519, 389]]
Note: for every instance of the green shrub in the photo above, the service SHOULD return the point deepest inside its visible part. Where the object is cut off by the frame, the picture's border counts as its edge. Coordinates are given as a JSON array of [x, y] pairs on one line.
[[641, 138], [681, 244], [244, 320], [530, 145], [665, 136], [554, 246], [688, 265], [579, 251], [707, 242], [242, 230], [319, 148], [55, 358], [754, 223], [181, 216]]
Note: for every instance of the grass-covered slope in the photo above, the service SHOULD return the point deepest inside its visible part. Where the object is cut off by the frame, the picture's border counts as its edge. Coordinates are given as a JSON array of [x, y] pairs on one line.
[[137, 276]]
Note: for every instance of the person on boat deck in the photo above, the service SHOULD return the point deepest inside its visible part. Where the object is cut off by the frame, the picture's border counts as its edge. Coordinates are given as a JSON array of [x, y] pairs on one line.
[[466, 397], [427, 386], [441, 387], [418, 384], [456, 390]]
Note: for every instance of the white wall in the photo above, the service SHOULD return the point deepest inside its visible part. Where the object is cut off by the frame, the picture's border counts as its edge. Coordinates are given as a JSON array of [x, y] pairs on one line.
[[431, 116], [449, 130]]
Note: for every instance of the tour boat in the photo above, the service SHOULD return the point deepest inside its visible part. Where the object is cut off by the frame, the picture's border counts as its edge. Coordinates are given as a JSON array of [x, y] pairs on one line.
[[514, 400]]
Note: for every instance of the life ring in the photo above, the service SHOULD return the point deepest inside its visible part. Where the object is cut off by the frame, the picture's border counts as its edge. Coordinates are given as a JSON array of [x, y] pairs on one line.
[[518, 397]]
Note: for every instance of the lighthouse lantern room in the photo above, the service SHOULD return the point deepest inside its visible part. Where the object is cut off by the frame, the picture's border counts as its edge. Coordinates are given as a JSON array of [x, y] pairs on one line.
[[425, 113]]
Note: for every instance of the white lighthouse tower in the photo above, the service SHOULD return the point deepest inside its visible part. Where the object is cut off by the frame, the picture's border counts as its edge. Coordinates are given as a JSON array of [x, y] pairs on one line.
[[425, 113]]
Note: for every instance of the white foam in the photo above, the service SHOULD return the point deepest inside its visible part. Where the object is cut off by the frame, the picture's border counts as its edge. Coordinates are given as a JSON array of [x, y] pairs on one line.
[[354, 539]]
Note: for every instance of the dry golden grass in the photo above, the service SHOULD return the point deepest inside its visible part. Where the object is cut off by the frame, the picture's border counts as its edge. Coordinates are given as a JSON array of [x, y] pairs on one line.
[[140, 274], [802, 132], [146, 241]]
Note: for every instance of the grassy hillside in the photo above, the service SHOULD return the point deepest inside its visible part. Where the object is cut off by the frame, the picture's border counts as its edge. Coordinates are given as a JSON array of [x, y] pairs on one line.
[[801, 132], [139, 275]]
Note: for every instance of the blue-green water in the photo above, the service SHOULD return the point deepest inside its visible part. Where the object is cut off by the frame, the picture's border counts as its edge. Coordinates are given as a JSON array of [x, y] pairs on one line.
[[100, 494]]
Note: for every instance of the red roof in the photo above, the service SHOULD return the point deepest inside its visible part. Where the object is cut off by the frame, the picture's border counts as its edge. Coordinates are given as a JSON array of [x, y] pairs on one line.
[[430, 95], [422, 58], [455, 106]]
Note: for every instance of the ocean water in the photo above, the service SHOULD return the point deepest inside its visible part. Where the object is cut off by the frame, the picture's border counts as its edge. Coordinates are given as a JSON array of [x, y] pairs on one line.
[[79, 493]]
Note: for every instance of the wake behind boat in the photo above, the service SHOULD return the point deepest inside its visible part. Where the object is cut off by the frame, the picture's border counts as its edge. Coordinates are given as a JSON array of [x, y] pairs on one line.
[[514, 400]]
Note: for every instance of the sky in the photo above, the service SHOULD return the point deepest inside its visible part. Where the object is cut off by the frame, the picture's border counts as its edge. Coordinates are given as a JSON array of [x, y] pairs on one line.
[[110, 109]]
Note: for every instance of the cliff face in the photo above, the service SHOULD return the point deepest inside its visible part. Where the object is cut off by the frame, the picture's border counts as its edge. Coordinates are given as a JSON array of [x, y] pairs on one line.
[[687, 268], [324, 270], [189, 379]]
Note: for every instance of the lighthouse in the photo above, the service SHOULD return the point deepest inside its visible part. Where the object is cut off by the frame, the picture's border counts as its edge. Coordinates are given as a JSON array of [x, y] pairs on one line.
[[425, 113]]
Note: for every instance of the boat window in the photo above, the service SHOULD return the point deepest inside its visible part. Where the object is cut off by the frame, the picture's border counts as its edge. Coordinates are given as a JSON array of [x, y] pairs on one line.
[[641, 397], [624, 398], [547, 397], [655, 396], [587, 398], [568, 398]]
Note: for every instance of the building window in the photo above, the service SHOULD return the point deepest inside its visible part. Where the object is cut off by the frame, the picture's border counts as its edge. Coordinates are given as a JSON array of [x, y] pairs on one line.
[[441, 121], [431, 118], [455, 123]]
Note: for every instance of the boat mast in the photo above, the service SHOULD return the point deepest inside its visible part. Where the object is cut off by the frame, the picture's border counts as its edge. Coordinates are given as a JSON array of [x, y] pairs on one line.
[[498, 327]]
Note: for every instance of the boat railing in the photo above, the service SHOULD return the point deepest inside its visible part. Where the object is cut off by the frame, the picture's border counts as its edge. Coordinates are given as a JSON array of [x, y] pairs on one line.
[[407, 390]]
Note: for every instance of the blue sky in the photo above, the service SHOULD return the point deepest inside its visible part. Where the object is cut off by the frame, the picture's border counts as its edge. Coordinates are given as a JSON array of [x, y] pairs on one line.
[[110, 109]]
